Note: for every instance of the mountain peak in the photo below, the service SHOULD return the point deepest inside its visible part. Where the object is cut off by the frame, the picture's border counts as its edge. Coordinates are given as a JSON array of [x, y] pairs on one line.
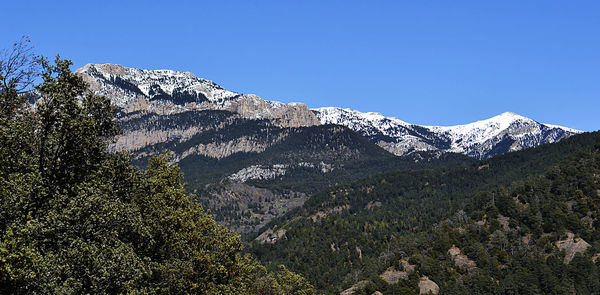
[[120, 70], [505, 132], [509, 116], [170, 92], [501, 121]]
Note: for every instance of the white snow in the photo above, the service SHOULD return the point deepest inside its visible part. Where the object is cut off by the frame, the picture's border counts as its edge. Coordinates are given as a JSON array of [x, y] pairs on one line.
[[166, 80], [562, 127], [475, 139], [169, 81]]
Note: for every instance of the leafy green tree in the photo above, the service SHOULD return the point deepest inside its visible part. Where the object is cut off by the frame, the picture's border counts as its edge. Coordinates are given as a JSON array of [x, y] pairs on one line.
[[75, 219], [293, 284]]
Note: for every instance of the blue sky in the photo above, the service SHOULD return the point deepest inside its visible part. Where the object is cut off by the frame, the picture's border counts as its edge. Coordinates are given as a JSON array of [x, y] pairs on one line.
[[426, 62]]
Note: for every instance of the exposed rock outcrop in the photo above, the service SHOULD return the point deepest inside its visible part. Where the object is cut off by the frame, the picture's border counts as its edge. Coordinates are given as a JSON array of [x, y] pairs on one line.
[[405, 146], [354, 288], [572, 246], [504, 221], [221, 150], [406, 266], [373, 204], [290, 115], [259, 172], [392, 276], [426, 285], [358, 252], [271, 237], [460, 260], [324, 213], [262, 172]]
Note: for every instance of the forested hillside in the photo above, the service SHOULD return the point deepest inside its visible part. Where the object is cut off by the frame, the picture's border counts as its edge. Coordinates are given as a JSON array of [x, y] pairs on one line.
[[283, 165], [495, 227], [228, 159]]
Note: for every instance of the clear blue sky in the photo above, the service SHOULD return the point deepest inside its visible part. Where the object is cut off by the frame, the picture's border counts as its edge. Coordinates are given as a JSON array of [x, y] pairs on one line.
[[426, 62]]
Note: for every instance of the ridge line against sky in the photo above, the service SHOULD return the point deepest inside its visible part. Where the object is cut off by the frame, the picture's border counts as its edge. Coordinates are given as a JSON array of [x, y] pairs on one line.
[[431, 62]]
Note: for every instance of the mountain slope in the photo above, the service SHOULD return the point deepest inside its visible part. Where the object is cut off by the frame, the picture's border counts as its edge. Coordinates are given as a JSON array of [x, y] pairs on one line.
[[249, 171], [234, 146], [482, 139], [367, 226]]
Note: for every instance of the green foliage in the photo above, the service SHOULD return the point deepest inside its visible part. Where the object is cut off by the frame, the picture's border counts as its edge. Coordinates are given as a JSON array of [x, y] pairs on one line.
[[292, 283], [75, 219], [73, 133]]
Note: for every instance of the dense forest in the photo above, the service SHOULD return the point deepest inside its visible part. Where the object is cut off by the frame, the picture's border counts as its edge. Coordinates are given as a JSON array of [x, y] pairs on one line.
[[76, 219], [520, 223]]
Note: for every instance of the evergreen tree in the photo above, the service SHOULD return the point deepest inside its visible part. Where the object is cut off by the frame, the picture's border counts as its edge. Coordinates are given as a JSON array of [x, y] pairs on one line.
[[77, 219]]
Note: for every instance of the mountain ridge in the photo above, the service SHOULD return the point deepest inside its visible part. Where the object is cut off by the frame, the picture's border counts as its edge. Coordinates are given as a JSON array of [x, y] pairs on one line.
[[477, 139], [167, 92]]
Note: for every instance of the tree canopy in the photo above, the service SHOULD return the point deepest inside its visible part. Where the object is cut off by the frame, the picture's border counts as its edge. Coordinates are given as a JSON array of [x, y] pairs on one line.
[[75, 218]]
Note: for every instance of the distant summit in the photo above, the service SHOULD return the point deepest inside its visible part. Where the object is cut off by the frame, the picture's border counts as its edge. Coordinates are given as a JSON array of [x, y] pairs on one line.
[[482, 139]]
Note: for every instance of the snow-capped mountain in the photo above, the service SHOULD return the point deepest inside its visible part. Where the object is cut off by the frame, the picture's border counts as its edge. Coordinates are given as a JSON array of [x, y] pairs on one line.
[[166, 92], [129, 84], [169, 92], [482, 139]]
